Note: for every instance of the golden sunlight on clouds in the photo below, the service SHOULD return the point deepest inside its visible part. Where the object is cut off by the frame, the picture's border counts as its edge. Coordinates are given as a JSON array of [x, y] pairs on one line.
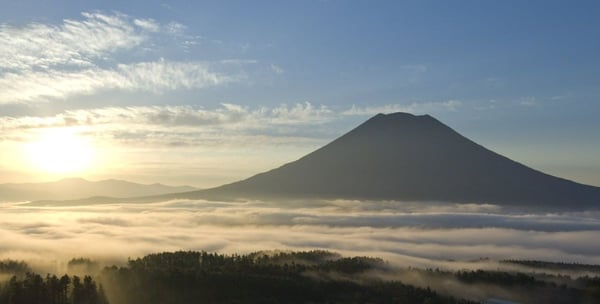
[[60, 151]]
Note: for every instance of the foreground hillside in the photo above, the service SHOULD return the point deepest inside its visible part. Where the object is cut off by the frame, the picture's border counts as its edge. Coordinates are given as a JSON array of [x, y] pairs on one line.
[[289, 277]]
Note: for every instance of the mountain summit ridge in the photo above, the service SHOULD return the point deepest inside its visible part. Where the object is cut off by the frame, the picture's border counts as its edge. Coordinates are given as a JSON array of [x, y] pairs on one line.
[[401, 156]]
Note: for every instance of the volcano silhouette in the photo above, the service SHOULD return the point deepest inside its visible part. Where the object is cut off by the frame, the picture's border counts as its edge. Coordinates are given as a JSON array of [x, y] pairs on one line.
[[401, 156]]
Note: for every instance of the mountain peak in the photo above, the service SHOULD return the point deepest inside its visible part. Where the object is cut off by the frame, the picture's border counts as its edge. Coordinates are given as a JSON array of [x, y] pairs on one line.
[[401, 156], [399, 116], [399, 119]]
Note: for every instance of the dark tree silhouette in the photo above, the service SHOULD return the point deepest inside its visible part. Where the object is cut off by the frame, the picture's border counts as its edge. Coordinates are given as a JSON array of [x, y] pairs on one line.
[[33, 289]]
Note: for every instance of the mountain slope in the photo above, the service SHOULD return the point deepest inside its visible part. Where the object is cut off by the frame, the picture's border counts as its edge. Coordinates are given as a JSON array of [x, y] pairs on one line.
[[75, 188], [405, 157]]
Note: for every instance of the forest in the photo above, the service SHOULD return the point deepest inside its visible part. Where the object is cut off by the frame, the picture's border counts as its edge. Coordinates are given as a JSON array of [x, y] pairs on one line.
[[282, 277]]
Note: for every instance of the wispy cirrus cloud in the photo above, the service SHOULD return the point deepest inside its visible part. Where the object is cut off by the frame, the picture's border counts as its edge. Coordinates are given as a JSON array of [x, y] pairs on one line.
[[40, 62], [153, 77], [39, 46]]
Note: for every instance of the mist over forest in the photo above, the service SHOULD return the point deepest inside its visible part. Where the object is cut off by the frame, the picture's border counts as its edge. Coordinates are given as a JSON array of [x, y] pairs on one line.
[[442, 250], [275, 276]]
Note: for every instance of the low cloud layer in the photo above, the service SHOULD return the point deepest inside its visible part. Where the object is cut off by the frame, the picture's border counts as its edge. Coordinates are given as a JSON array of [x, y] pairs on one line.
[[407, 234]]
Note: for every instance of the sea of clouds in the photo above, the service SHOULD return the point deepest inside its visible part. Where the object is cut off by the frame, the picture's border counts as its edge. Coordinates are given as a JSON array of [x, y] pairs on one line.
[[407, 234]]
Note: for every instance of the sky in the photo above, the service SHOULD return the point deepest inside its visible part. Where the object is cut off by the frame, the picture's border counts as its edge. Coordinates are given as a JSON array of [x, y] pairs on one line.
[[208, 92]]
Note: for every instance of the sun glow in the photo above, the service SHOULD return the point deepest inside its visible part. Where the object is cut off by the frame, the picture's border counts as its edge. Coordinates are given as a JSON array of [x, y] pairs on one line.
[[60, 151]]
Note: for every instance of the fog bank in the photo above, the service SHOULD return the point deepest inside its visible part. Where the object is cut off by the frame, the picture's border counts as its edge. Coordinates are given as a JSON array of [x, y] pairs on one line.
[[403, 233]]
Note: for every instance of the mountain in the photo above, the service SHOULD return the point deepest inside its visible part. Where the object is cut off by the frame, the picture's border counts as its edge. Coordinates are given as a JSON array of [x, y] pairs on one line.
[[406, 157], [75, 188]]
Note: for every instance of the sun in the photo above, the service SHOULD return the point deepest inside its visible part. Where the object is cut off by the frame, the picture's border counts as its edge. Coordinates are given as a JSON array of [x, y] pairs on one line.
[[60, 151]]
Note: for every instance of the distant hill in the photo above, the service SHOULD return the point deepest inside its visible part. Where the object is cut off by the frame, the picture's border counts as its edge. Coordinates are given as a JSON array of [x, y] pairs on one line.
[[406, 157], [76, 188]]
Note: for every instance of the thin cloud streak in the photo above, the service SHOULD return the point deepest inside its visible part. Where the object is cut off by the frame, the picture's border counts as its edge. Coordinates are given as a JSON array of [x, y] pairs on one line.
[[227, 114]]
